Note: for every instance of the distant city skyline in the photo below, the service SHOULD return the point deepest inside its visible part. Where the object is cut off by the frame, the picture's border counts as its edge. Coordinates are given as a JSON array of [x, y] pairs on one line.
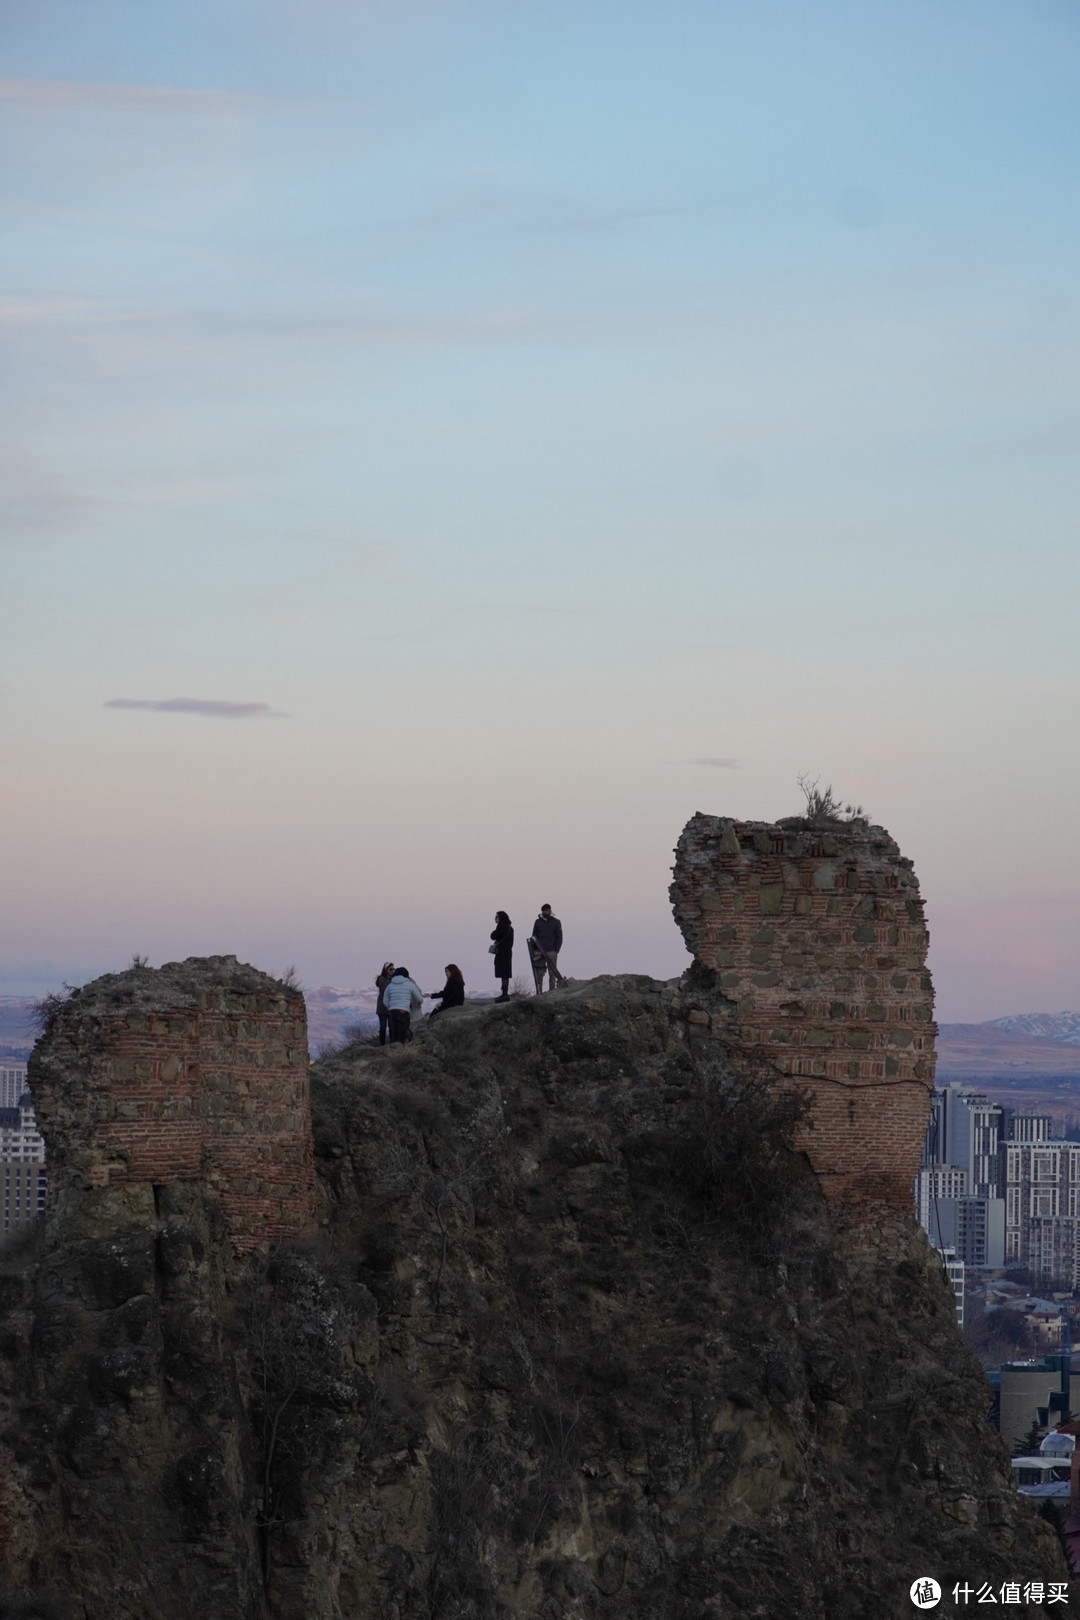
[[447, 446]]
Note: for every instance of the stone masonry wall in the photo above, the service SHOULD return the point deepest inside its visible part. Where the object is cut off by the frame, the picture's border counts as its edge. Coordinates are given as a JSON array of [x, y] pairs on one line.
[[818, 940], [194, 1071]]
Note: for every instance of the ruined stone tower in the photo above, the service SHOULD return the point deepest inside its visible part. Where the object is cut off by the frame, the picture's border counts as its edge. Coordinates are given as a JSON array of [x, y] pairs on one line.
[[818, 941], [197, 1071]]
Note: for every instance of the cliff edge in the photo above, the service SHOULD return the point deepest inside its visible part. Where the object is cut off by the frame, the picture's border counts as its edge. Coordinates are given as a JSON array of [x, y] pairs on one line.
[[580, 1336]]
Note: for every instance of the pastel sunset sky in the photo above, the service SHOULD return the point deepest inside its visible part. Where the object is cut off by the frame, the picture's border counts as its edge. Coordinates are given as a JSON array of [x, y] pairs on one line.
[[445, 444]]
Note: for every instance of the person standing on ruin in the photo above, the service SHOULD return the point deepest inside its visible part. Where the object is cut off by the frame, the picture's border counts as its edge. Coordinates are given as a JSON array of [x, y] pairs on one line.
[[503, 948], [547, 932], [402, 997], [381, 982]]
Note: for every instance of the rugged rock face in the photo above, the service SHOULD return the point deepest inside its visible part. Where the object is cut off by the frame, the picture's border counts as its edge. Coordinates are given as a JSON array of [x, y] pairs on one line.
[[126, 1445], [815, 933], [578, 1340]]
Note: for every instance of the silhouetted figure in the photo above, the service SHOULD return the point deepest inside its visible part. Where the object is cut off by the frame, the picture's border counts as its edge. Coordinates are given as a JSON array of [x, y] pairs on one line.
[[453, 992], [402, 998], [547, 932], [381, 983], [503, 935]]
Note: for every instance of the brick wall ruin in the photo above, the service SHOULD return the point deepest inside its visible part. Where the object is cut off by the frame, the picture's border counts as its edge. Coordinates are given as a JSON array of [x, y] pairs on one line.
[[197, 1071], [818, 940]]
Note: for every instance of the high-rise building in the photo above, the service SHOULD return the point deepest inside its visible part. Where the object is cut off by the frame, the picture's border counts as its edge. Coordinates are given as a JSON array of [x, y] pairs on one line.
[[954, 1270], [989, 1176], [965, 1130], [1042, 1180], [935, 1182], [1054, 1251], [973, 1227], [958, 1190], [12, 1082], [1029, 1127], [20, 1139], [22, 1193], [23, 1176]]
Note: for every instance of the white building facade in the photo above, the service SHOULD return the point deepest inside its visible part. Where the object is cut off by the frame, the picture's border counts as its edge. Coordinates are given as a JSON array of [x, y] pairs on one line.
[[12, 1082], [20, 1139], [1042, 1182], [23, 1177]]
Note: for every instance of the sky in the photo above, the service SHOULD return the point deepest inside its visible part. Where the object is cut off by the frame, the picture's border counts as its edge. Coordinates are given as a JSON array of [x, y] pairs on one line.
[[446, 444]]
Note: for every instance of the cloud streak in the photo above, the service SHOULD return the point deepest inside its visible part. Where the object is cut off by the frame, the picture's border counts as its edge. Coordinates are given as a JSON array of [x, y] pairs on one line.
[[720, 764], [56, 94], [495, 325], [213, 708]]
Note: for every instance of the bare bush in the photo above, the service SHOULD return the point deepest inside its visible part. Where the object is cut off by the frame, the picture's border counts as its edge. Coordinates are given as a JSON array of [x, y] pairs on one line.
[[49, 1008], [823, 805]]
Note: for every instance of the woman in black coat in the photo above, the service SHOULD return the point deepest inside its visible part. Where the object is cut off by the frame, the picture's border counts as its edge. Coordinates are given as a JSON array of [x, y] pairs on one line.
[[503, 935], [453, 992]]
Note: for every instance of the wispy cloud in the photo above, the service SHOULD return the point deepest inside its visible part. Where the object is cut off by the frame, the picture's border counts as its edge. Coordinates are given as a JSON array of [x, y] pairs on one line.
[[81, 95], [335, 325], [338, 326], [720, 764], [215, 708], [45, 311], [34, 502]]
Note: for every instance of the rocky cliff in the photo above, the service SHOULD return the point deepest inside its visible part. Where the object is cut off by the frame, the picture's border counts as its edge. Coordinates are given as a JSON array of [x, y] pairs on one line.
[[577, 1337]]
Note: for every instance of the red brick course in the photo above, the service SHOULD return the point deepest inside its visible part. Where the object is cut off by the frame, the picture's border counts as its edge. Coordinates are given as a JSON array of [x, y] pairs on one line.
[[818, 940], [197, 1071]]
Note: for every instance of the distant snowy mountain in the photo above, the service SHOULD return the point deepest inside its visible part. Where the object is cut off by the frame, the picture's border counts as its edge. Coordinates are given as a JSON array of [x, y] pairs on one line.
[[332, 1011], [1025, 1044], [1063, 1027]]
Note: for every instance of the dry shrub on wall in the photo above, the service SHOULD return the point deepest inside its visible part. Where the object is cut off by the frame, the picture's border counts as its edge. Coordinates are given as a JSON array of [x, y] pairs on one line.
[[823, 805], [49, 1008]]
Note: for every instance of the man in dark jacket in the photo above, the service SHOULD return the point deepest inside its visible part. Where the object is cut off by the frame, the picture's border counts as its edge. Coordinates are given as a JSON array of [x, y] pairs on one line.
[[547, 932]]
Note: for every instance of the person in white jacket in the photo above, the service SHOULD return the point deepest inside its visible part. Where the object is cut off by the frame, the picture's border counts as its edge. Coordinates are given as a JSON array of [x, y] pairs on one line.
[[401, 998]]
